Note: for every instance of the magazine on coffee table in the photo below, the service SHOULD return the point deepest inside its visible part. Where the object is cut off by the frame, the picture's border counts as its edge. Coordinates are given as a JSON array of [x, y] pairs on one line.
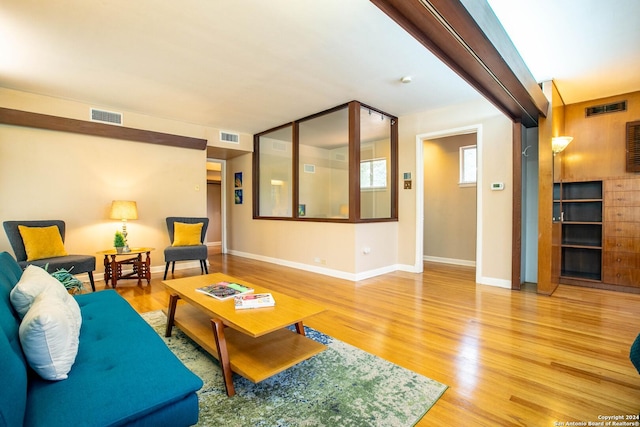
[[254, 301], [225, 290]]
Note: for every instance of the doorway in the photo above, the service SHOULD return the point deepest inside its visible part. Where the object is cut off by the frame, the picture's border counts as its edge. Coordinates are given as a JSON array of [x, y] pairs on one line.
[[450, 196], [474, 132], [216, 206]]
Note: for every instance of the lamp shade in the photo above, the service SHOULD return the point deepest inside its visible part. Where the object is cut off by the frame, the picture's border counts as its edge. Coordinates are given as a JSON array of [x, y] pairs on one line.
[[559, 143], [124, 210]]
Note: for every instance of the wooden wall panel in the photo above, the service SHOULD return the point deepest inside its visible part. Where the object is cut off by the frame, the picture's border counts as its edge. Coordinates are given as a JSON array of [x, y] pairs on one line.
[[598, 148]]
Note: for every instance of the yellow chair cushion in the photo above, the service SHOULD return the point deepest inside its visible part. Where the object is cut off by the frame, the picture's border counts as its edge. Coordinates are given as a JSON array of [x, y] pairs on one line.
[[42, 242], [186, 234]]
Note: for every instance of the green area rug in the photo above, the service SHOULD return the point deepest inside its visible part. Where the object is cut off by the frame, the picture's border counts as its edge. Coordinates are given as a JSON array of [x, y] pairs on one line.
[[342, 386]]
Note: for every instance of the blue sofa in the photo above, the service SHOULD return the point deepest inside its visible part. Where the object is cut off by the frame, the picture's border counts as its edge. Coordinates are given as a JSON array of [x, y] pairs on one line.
[[123, 373]]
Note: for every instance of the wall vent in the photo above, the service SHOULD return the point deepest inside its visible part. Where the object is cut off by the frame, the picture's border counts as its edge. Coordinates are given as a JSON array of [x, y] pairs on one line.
[[615, 107], [108, 117], [633, 146], [233, 138], [279, 146]]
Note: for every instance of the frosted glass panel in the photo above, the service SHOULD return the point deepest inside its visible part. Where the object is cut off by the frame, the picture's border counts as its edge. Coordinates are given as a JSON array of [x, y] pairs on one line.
[[375, 161], [275, 174], [324, 166]]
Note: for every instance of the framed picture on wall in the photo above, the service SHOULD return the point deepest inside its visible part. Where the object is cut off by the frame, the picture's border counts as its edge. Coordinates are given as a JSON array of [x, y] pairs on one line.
[[302, 210], [238, 197], [238, 180]]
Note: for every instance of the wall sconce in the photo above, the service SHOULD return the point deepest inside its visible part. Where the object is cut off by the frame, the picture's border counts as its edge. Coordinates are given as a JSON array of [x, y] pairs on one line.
[[559, 143], [124, 210]]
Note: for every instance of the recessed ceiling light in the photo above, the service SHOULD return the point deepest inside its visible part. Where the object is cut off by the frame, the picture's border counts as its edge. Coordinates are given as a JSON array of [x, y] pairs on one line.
[[406, 79]]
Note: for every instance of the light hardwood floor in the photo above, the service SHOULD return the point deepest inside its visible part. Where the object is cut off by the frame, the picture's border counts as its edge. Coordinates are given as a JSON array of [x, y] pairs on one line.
[[508, 357]]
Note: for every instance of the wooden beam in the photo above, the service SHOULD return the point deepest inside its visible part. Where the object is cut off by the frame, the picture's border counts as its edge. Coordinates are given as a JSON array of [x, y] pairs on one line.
[[468, 37], [43, 121]]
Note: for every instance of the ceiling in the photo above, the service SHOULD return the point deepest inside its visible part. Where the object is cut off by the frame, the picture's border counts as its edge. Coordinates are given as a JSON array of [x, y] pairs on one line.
[[247, 66], [591, 48]]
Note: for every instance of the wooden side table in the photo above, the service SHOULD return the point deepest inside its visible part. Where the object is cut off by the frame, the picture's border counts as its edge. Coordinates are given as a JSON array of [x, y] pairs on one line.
[[113, 266]]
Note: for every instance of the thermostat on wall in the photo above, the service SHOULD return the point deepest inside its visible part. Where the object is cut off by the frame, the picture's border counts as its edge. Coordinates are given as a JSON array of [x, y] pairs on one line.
[[497, 186]]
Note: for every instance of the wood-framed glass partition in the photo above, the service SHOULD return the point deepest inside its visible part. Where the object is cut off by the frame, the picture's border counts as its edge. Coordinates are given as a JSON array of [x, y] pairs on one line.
[[339, 165]]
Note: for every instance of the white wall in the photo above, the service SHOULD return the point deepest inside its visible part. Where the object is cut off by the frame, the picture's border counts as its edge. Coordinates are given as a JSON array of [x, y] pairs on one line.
[[57, 175]]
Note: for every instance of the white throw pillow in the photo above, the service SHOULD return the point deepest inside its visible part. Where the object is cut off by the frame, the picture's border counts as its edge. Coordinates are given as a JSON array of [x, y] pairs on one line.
[[34, 281], [49, 336]]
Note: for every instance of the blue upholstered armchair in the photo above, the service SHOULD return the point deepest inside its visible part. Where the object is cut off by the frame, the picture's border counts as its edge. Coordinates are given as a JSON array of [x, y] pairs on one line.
[[186, 246], [77, 264]]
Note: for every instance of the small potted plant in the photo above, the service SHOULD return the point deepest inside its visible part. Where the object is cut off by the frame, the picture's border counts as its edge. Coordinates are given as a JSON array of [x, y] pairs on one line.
[[119, 242]]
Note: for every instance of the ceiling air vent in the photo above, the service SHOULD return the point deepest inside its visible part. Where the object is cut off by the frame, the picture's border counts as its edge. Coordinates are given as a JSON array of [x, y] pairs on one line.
[[233, 138], [596, 110], [108, 117], [633, 146]]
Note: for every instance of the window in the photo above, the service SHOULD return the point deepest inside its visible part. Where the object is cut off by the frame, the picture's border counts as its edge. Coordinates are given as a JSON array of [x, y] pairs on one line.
[[323, 164], [468, 165], [373, 174], [337, 165], [376, 187]]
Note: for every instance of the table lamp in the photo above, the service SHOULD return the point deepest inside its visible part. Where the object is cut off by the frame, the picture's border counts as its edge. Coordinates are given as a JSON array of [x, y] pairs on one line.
[[124, 210]]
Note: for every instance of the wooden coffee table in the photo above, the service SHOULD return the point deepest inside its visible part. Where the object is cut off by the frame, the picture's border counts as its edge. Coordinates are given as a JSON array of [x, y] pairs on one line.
[[253, 343]]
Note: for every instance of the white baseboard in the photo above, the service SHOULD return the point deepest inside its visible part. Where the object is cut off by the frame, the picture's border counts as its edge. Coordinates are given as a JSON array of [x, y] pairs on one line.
[[183, 265], [353, 277], [407, 268], [453, 261], [492, 281]]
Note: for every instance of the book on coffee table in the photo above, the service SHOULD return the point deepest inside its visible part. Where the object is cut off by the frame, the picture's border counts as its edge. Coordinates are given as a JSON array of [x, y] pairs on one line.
[[225, 290], [242, 302]]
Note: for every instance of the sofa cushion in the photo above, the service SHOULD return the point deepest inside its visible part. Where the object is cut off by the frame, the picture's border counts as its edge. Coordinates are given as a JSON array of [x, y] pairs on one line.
[[13, 398], [49, 335], [187, 234], [34, 281], [10, 273], [127, 365], [42, 242]]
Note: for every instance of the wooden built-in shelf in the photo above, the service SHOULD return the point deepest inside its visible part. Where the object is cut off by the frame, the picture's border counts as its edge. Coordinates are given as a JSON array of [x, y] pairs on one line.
[[578, 205]]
